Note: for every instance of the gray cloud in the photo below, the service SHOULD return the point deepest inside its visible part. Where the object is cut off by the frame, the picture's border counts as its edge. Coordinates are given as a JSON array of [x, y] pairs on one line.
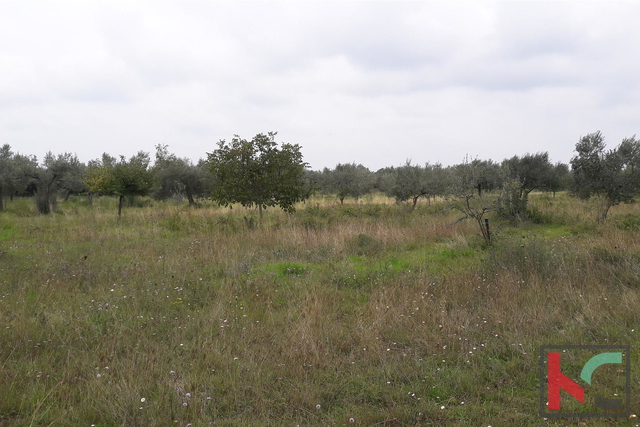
[[375, 83]]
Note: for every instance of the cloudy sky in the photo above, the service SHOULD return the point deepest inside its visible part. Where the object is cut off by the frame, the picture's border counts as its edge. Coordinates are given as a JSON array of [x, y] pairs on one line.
[[367, 82]]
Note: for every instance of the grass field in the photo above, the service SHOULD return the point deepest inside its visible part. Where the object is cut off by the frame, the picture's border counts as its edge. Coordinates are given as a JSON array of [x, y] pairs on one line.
[[335, 315]]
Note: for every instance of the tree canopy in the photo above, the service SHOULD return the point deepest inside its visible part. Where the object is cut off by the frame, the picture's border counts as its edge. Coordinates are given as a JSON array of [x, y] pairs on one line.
[[347, 179], [257, 173], [611, 174], [6, 167], [123, 178], [174, 175], [411, 182]]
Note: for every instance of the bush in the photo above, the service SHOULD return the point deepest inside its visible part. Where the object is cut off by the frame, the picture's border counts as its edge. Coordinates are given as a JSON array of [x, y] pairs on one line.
[[532, 257], [174, 222], [511, 206], [537, 216], [313, 217], [364, 244], [225, 222], [628, 222]]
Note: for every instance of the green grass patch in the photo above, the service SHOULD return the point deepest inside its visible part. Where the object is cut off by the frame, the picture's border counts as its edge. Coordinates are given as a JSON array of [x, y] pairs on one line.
[[285, 269], [7, 231]]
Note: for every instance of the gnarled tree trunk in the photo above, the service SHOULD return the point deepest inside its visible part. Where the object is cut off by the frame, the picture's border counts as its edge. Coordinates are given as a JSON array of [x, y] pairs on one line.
[[120, 204]]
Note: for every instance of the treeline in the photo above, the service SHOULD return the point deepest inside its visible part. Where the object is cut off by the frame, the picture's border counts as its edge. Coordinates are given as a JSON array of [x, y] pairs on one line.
[[612, 174], [412, 182]]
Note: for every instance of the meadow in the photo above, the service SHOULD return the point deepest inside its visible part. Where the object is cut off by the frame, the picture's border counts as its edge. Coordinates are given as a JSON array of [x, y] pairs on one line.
[[360, 314]]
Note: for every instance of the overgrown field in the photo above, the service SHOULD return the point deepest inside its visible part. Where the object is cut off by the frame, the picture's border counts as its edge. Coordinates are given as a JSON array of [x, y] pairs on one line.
[[179, 316]]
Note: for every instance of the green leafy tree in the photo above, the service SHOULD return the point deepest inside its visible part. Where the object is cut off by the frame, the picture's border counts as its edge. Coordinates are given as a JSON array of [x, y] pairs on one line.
[[531, 172], [385, 179], [312, 182], [524, 175], [131, 178], [6, 167], [98, 175], [23, 174], [56, 173], [348, 179], [72, 181], [438, 181], [485, 175], [176, 175], [257, 173], [410, 183], [560, 179], [467, 180], [122, 178], [476, 175], [613, 175]]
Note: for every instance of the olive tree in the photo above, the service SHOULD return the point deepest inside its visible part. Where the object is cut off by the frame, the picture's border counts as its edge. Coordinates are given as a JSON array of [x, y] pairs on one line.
[[560, 179], [23, 173], [176, 175], [465, 194], [72, 181], [122, 178], [409, 183], [56, 173], [385, 179], [348, 179], [524, 175], [6, 168], [613, 175], [312, 182]]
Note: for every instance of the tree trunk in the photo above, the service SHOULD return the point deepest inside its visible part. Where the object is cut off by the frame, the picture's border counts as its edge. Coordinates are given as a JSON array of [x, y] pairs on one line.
[[483, 229], [413, 206], [603, 215], [190, 198], [341, 200], [1, 198], [42, 201], [120, 203], [260, 214], [479, 191], [66, 195], [90, 198]]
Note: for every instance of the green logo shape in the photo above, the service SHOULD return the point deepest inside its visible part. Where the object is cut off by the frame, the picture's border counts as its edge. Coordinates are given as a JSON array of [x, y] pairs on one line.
[[596, 361]]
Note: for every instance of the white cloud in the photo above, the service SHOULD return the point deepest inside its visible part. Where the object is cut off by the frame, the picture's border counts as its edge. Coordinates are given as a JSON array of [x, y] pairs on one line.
[[375, 83]]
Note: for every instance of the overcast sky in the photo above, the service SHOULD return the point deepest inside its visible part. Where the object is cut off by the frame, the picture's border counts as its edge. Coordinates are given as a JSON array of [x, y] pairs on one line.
[[367, 82]]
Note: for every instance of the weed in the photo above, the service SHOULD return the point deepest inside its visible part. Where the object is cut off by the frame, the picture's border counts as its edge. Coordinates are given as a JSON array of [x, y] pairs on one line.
[[362, 244], [363, 312], [627, 222]]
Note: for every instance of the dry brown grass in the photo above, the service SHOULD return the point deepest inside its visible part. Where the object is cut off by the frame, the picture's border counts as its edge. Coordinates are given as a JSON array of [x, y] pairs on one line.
[[362, 309]]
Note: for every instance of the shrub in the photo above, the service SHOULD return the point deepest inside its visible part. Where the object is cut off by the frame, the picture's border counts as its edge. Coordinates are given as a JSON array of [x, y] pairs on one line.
[[364, 244], [535, 215], [174, 222], [511, 205], [628, 222]]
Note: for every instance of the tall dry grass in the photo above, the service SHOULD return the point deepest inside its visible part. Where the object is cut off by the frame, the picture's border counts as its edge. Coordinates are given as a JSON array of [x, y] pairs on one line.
[[177, 316]]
